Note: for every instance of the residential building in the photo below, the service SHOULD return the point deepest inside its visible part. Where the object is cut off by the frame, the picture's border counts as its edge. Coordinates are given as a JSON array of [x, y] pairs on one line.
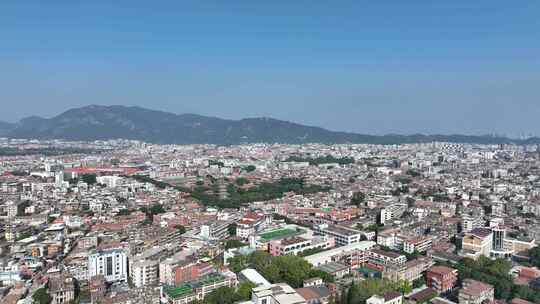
[[318, 294], [195, 290], [391, 212], [295, 245], [475, 292], [335, 269], [144, 272], [62, 289], [250, 224], [410, 271], [252, 276], [111, 263], [470, 222], [97, 287], [276, 294], [417, 244], [215, 231], [191, 271], [441, 278], [477, 242], [385, 258], [343, 235], [392, 297], [353, 255]]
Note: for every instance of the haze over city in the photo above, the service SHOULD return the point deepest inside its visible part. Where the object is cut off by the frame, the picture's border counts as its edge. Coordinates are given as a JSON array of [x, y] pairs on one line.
[[469, 67], [269, 152]]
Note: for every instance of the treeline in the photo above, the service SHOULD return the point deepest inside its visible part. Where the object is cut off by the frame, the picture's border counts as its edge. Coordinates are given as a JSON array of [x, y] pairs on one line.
[[50, 151], [238, 196], [290, 269], [359, 292], [227, 295], [534, 255], [266, 191], [328, 159], [496, 273], [148, 179]]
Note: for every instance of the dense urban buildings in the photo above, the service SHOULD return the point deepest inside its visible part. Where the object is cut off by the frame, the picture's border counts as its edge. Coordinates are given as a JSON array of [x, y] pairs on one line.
[[123, 221]]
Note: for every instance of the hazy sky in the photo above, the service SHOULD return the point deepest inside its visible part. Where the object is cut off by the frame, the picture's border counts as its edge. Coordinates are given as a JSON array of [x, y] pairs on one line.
[[400, 66]]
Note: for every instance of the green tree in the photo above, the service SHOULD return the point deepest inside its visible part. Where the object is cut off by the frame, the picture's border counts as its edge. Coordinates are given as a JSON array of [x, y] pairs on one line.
[[310, 251], [404, 287], [90, 179], [249, 168], [42, 297], [358, 198], [232, 229], [534, 255], [413, 173], [234, 244], [244, 291], [180, 228], [494, 272], [122, 212], [238, 263], [419, 283], [360, 292], [526, 293], [157, 209], [241, 181], [373, 228], [292, 269], [223, 295], [315, 273]]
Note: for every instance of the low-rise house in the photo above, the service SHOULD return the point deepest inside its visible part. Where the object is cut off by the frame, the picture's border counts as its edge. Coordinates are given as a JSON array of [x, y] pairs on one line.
[[276, 294], [335, 269], [392, 297], [315, 294], [475, 292]]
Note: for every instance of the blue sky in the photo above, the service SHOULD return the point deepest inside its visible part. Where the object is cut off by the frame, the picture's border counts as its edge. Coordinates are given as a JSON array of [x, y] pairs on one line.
[[365, 66]]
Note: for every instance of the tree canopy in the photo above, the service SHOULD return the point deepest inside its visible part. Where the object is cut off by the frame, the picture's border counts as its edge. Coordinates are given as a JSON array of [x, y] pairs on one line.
[[232, 229], [227, 295], [234, 244], [328, 159], [264, 192], [358, 198], [534, 255], [358, 293], [289, 268], [90, 179], [42, 297], [249, 168], [497, 273]]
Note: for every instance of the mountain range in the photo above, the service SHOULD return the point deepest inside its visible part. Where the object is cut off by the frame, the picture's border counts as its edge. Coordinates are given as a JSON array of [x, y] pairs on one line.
[[108, 122]]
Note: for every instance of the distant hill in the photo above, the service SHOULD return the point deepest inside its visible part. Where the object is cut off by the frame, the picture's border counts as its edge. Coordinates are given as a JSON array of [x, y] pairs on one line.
[[5, 128], [108, 122]]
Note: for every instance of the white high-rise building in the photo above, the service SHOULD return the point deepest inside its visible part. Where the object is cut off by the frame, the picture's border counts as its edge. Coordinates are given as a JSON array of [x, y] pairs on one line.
[[59, 178], [111, 263]]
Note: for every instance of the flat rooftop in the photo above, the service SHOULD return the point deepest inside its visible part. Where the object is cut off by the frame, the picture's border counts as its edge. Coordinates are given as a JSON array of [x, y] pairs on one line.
[[332, 267], [280, 234], [342, 230]]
